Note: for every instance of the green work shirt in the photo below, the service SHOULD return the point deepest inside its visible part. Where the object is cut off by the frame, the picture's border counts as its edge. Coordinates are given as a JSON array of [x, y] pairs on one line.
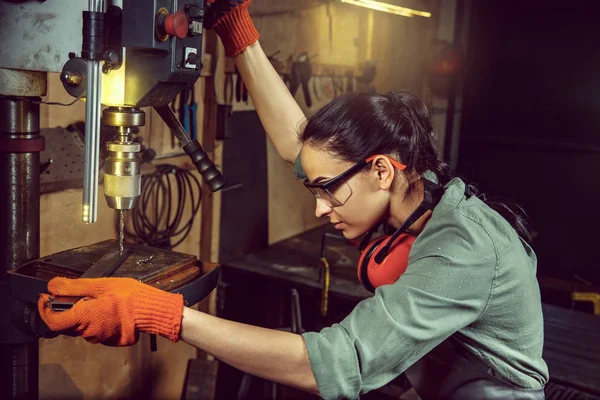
[[468, 274]]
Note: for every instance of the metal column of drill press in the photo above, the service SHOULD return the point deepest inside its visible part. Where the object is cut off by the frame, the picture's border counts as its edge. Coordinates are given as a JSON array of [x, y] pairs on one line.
[[20, 147]]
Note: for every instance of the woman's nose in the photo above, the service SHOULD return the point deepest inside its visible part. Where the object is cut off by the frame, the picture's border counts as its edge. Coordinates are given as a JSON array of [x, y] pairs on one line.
[[322, 209]]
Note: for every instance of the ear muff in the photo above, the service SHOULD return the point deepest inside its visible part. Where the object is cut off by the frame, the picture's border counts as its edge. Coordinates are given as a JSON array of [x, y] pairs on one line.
[[373, 274], [384, 259]]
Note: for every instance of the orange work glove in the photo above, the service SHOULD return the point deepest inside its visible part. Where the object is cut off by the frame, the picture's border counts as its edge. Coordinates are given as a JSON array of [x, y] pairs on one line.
[[113, 311], [232, 22]]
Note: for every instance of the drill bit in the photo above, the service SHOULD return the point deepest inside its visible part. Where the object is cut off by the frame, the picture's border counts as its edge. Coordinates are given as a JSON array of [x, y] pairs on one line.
[[121, 229]]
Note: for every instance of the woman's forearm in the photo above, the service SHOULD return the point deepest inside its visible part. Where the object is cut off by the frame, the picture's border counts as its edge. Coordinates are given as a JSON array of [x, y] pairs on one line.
[[278, 111], [274, 355]]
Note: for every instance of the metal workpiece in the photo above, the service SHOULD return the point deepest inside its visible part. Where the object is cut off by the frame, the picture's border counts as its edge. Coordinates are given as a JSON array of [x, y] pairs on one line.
[[122, 179]]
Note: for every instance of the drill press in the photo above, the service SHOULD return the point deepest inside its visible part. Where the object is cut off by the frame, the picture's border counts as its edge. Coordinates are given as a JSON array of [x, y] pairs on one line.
[[155, 49]]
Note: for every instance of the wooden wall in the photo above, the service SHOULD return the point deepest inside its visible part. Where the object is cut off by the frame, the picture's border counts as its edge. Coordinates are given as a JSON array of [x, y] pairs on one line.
[[338, 34]]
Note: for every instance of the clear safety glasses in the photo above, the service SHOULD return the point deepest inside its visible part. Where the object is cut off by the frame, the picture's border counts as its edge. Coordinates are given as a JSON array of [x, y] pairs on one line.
[[335, 192]]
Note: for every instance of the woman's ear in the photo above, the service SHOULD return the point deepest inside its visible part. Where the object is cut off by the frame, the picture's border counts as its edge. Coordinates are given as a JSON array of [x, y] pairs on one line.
[[385, 172]]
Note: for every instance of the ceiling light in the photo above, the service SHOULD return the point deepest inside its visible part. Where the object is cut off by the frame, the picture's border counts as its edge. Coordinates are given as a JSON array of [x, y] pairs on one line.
[[388, 8]]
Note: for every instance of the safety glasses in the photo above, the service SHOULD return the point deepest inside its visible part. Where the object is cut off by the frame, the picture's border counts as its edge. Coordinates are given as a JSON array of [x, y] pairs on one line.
[[335, 192]]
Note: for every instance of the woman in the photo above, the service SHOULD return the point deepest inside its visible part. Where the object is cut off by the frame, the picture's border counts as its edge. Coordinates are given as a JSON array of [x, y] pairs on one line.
[[464, 321]]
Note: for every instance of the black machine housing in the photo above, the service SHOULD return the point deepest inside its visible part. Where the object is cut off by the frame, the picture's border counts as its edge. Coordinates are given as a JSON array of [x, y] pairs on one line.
[[156, 66], [156, 71]]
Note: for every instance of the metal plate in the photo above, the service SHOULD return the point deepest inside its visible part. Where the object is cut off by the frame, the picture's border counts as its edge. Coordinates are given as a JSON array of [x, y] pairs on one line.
[[75, 262], [168, 270]]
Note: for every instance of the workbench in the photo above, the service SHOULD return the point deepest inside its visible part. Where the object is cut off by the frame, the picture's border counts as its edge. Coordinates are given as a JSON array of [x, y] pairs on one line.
[[255, 289]]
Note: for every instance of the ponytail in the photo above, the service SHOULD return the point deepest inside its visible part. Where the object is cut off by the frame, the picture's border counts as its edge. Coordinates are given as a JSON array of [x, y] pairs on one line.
[[512, 212]]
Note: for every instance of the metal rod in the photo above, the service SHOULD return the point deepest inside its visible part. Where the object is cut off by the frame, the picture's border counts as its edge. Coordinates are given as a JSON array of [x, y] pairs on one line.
[[172, 122], [92, 132]]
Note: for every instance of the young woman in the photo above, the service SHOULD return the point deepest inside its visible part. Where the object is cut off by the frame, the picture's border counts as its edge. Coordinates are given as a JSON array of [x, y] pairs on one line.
[[464, 321]]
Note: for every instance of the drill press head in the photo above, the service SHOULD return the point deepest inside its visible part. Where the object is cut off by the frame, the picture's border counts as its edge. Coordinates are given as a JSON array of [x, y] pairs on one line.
[[122, 179]]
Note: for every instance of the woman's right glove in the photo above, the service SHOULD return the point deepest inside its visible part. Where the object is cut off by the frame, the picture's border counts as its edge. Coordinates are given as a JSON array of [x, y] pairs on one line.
[[232, 22], [113, 311]]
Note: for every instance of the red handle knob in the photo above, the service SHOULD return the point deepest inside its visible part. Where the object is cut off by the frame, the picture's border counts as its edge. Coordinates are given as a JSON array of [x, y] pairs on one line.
[[177, 24]]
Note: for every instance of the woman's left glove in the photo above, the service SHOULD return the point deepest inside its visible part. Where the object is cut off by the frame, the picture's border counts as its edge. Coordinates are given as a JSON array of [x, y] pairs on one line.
[[113, 311]]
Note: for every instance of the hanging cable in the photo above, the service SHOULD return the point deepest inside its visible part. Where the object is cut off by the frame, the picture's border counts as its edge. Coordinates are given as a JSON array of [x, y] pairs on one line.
[[158, 217], [52, 103]]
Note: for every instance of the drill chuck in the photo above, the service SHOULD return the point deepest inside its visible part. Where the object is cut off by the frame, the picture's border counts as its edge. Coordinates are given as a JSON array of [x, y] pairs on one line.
[[122, 179]]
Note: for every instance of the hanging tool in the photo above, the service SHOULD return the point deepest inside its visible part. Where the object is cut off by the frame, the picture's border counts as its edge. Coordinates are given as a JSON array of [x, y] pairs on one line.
[[349, 81], [173, 139], [225, 111], [228, 89], [316, 87], [184, 109], [301, 74], [280, 67], [325, 273], [193, 114], [338, 86], [287, 76], [188, 109], [238, 86]]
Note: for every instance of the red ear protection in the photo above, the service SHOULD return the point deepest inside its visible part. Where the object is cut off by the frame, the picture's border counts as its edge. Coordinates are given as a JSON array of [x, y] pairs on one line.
[[384, 259], [373, 274]]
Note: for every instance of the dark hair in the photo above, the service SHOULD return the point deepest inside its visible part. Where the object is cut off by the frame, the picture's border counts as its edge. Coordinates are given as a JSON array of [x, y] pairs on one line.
[[357, 125]]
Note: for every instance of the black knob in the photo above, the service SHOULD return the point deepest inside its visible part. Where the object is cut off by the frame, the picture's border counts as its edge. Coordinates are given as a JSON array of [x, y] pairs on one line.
[[194, 11], [148, 155], [192, 58]]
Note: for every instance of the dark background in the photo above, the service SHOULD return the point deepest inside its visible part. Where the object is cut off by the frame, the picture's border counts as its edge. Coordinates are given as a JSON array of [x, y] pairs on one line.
[[531, 122]]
